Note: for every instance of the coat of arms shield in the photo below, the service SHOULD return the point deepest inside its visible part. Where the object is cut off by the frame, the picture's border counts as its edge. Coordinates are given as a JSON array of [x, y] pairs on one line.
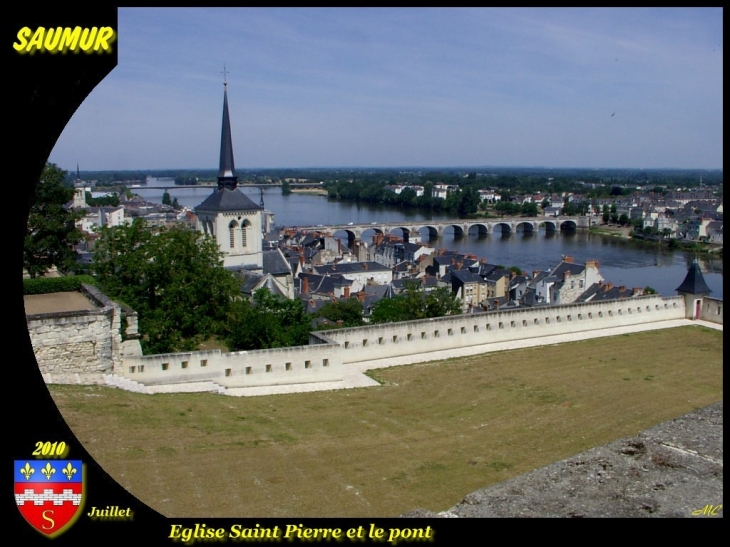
[[49, 493]]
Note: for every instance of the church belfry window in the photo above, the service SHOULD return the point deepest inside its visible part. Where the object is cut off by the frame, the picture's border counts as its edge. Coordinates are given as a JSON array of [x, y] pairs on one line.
[[244, 232], [232, 233]]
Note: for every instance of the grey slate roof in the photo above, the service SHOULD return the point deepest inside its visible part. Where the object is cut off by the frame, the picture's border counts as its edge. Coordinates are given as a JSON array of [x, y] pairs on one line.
[[694, 282], [275, 263], [227, 199]]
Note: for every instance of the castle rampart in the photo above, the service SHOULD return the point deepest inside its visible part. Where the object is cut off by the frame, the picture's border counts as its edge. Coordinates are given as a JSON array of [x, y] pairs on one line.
[[81, 347]]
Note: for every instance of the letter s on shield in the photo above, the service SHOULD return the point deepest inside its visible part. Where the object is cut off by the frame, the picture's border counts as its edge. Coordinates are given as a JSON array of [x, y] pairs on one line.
[[49, 493]]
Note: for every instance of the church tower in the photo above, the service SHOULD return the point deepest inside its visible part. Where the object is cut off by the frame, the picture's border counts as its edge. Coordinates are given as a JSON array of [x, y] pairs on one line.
[[228, 214]]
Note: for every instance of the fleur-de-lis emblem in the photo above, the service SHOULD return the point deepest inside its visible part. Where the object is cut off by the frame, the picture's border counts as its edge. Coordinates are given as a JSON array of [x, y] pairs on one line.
[[69, 471], [48, 471], [27, 471]]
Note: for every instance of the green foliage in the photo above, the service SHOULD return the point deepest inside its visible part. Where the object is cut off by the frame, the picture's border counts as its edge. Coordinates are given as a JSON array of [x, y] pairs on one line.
[[47, 285], [285, 188], [414, 303], [268, 321], [508, 207], [348, 311], [529, 209], [174, 278], [649, 290], [166, 200], [104, 201], [51, 232]]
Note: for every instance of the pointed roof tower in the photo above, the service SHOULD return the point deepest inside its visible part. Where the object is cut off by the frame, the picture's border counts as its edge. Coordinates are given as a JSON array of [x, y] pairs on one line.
[[227, 171], [694, 282], [227, 197]]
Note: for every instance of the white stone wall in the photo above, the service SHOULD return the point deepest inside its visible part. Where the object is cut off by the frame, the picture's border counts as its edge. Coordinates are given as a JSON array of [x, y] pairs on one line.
[[711, 310], [294, 365], [88, 345], [398, 339]]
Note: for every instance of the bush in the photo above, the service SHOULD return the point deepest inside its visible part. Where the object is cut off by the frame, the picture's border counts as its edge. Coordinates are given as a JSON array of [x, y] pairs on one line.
[[46, 285]]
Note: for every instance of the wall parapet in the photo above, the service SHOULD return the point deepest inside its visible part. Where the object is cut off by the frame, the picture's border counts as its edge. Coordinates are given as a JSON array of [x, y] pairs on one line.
[[388, 340], [276, 366], [711, 310]]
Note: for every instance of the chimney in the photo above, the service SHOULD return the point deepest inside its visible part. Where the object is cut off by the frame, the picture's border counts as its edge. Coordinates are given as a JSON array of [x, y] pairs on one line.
[[622, 288], [512, 274], [609, 286], [637, 291], [535, 273], [496, 304], [483, 261], [364, 265], [592, 264], [339, 246], [361, 296], [347, 292], [600, 283], [568, 259], [305, 285]]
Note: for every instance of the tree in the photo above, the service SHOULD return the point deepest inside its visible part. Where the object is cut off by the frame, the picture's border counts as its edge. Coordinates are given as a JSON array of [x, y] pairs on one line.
[[529, 209], [413, 303], [348, 311], [268, 321], [469, 203], [166, 198], [174, 278], [51, 232], [285, 187]]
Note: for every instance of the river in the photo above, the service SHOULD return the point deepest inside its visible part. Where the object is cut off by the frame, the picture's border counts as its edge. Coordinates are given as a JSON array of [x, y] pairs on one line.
[[621, 262]]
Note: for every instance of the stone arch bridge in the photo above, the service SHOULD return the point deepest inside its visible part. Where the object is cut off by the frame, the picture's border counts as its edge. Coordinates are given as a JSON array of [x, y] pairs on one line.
[[461, 227]]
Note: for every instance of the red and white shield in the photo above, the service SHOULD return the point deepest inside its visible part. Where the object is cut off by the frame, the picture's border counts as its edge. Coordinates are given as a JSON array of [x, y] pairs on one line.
[[49, 493]]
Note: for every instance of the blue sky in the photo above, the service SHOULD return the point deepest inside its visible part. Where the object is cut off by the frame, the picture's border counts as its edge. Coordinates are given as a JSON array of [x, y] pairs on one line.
[[323, 87]]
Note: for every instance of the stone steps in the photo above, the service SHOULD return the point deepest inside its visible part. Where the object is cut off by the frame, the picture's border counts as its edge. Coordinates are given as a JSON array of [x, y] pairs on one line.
[[189, 387]]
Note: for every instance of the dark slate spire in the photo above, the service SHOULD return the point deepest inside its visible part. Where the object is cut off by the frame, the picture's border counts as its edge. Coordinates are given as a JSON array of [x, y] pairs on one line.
[[694, 282], [227, 177]]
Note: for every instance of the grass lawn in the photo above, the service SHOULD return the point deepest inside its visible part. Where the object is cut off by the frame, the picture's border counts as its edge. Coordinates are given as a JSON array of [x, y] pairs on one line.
[[429, 435]]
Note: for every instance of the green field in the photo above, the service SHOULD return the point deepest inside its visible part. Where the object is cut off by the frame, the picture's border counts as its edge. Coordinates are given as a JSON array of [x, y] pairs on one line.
[[429, 435]]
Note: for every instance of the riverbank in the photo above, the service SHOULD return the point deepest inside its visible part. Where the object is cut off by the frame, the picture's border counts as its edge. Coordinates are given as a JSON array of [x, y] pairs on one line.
[[623, 232], [309, 191]]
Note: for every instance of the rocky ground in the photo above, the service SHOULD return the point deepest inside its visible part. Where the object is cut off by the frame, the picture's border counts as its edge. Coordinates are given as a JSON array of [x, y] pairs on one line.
[[671, 470]]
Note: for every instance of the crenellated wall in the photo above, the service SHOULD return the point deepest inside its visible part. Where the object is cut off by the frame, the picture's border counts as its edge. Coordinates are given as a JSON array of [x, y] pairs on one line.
[[81, 347], [711, 310], [417, 337], [266, 367]]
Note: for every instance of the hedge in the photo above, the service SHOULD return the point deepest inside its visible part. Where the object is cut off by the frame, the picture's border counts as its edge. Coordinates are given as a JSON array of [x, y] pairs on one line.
[[45, 285]]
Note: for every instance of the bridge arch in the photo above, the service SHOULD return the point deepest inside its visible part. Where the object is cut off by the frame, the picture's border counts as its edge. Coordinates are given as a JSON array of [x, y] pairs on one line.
[[525, 226], [432, 231], [481, 228], [504, 227], [550, 225], [568, 225]]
